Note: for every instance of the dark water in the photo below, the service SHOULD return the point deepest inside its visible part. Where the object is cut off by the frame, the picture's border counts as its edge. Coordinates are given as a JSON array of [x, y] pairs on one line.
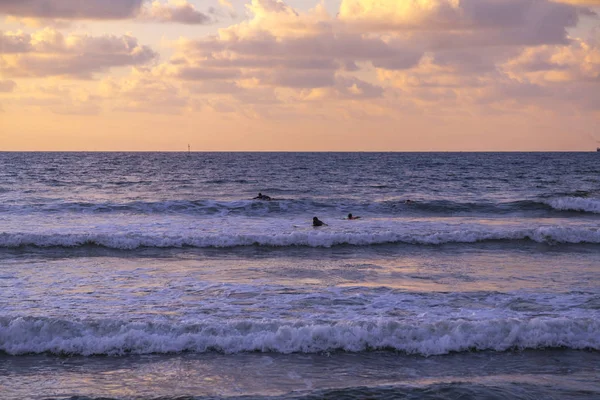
[[155, 275]]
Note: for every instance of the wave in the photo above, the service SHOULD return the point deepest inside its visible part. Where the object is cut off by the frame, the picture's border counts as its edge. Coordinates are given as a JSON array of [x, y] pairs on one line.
[[549, 235], [29, 335], [572, 204], [185, 207], [576, 204], [260, 208]]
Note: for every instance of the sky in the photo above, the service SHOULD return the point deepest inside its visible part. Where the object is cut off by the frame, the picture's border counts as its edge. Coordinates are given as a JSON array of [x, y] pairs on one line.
[[299, 75]]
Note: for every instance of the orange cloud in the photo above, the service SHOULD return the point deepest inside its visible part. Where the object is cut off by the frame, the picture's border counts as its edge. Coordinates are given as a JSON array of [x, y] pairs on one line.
[[464, 23], [553, 64], [180, 11], [7, 86], [50, 53]]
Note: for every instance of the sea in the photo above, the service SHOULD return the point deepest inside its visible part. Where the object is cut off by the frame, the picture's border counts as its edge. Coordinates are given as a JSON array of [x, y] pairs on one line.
[[159, 276]]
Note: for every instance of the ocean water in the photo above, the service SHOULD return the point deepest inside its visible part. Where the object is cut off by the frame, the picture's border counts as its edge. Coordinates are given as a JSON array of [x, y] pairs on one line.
[[157, 276]]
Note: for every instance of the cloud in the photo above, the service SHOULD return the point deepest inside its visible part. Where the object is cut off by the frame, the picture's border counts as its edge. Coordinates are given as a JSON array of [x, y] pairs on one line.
[[465, 23], [72, 9], [297, 79], [226, 3], [50, 53], [435, 15], [281, 47], [14, 42], [180, 11], [56, 97], [544, 77], [190, 73], [479, 52], [39, 22], [435, 56], [454, 23], [7, 86], [58, 13], [555, 64], [426, 54], [143, 92], [216, 87], [345, 88], [569, 75]]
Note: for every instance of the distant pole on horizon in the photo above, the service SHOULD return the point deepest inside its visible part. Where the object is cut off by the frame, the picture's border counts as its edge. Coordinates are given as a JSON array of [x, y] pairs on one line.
[[189, 151]]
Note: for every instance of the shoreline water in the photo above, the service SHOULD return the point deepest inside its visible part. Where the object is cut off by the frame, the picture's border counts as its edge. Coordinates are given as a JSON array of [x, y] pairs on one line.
[[517, 375]]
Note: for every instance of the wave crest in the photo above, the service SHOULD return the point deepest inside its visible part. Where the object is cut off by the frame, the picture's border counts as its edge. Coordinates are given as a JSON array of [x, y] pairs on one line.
[[576, 204], [41, 335], [130, 241]]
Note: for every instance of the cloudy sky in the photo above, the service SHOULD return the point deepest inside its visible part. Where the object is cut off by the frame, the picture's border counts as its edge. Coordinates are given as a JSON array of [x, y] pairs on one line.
[[348, 75]]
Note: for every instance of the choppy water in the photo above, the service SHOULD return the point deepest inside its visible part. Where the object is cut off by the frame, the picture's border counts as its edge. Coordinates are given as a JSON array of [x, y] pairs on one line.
[[146, 275]]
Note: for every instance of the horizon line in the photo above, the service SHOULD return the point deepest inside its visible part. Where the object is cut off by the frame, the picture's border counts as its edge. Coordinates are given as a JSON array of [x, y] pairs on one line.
[[299, 151]]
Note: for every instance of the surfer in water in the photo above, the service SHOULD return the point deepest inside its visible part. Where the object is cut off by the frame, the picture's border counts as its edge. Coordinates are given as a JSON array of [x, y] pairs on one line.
[[262, 197], [350, 216], [318, 222]]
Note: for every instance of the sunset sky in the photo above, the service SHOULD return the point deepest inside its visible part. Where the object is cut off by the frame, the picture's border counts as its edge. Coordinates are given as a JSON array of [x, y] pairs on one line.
[[300, 75]]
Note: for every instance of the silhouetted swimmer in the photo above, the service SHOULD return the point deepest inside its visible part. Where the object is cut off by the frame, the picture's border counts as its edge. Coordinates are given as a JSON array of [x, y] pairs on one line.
[[318, 222], [350, 216], [409, 201], [262, 197]]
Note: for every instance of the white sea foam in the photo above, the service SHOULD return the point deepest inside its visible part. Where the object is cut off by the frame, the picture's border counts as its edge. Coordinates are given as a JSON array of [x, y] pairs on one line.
[[576, 204], [427, 234], [31, 335]]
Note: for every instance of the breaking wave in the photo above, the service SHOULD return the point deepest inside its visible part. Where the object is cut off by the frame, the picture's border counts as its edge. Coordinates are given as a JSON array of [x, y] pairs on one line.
[[313, 238], [576, 204], [31, 335]]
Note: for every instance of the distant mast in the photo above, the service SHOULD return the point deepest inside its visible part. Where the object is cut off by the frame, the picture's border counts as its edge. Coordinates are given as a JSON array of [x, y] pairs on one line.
[[189, 151]]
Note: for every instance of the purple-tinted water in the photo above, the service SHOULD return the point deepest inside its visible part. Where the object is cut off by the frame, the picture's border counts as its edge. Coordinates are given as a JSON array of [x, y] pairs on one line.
[[146, 275]]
